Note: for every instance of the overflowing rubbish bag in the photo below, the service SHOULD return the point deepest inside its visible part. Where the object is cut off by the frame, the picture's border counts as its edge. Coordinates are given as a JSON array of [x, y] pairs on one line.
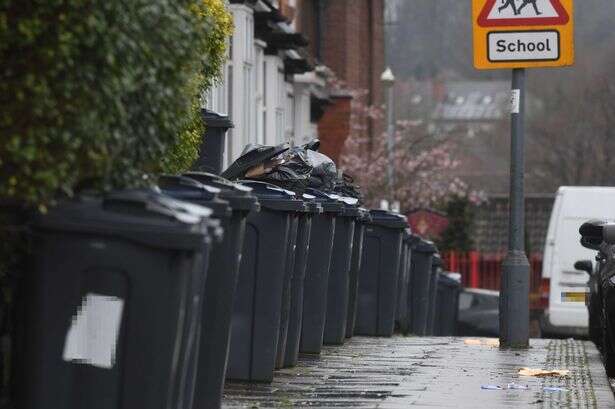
[[294, 168], [345, 186], [289, 170], [254, 156], [324, 171]]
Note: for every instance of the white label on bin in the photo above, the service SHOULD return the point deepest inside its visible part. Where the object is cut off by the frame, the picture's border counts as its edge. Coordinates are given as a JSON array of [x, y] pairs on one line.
[[93, 334]]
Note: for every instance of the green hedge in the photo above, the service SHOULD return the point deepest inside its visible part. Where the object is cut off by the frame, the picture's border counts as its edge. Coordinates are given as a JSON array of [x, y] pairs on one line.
[[102, 90]]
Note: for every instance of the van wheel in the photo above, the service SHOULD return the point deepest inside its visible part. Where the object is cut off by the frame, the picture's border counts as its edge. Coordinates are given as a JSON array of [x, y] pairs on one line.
[[608, 354]]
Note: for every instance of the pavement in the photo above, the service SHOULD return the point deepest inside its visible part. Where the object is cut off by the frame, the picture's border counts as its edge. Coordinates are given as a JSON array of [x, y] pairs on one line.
[[402, 372]]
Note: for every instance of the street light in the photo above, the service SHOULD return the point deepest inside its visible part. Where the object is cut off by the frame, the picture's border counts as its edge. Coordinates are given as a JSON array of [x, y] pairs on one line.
[[388, 80]]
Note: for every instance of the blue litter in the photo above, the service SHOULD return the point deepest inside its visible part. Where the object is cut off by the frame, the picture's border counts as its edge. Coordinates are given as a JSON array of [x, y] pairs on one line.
[[554, 389], [516, 386], [491, 387]]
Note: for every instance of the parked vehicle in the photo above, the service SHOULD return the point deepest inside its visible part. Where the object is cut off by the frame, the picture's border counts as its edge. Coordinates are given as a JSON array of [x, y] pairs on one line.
[[567, 316], [599, 236], [478, 313]]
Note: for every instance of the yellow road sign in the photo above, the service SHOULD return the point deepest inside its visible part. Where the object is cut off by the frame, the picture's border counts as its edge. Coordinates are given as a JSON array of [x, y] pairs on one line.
[[523, 33]]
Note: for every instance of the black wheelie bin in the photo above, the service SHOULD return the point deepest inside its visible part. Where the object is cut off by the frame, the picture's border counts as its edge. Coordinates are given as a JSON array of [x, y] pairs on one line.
[[295, 317], [355, 267], [110, 303], [436, 268], [422, 256], [447, 307], [317, 272], [377, 301], [402, 319], [256, 314], [286, 290], [339, 273], [220, 289]]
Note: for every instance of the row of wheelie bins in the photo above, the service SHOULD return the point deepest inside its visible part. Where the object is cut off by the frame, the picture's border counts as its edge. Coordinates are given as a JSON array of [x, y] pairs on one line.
[[151, 298]]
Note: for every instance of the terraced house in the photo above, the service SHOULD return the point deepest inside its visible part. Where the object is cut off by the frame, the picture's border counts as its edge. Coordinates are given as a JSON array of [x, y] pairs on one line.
[[284, 57]]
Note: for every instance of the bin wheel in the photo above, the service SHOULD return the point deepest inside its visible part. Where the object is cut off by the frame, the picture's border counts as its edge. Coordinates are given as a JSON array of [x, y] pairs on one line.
[[608, 353]]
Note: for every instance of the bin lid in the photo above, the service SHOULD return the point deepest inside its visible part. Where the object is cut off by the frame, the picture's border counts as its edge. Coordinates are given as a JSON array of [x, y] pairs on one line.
[[312, 205], [328, 202], [424, 246], [143, 216], [437, 260], [254, 155], [364, 215], [452, 280], [188, 189], [274, 197], [351, 205], [388, 219], [408, 235], [240, 197]]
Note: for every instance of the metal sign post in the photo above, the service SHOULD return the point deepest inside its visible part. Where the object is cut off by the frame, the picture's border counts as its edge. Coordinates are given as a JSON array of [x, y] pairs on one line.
[[515, 287], [519, 35]]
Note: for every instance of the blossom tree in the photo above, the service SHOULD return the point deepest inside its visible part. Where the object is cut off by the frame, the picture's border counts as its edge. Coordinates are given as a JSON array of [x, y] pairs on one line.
[[424, 163]]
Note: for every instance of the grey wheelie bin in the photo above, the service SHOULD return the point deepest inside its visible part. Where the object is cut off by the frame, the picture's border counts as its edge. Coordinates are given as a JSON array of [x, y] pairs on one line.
[[256, 314], [220, 289], [355, 266], [422, 255], [402, 319], [111, 303], [317, 273], [339, 274], [447, 307], [285, 306], [377, 301], [436, 268], [295, 317]]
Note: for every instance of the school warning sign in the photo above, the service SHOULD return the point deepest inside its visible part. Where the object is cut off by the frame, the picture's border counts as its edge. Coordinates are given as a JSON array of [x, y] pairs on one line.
[[523, 33]]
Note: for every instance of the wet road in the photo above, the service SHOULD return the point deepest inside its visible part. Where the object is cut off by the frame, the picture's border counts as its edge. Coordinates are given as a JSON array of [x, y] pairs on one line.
[[404, 372]]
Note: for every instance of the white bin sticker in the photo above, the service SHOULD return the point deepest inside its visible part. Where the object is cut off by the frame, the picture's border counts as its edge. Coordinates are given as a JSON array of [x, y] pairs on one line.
[[93, 334]]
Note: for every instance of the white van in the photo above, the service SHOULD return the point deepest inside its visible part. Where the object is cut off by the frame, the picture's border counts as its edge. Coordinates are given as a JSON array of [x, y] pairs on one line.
[[573, 206]]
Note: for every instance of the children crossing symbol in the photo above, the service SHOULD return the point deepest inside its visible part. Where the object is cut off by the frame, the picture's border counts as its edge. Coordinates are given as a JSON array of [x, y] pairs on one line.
[[504, 13]]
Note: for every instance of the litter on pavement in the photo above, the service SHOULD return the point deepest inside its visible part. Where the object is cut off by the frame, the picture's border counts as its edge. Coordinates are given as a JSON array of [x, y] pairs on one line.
[[489, 342], [543, 372], [554, 389]]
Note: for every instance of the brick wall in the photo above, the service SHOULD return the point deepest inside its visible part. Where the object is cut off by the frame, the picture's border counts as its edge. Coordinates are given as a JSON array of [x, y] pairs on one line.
[[352, 45], [335, 127]]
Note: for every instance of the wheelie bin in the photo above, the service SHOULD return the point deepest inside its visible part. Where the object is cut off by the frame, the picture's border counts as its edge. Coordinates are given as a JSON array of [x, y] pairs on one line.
[[295, 316], [110, 305], [447, 307], [256, 314], [339, 274], [355, 266], [317, 272], [436, 268], [402, 319], [421, 262], [286, 289], [220, 289], [379, 274]]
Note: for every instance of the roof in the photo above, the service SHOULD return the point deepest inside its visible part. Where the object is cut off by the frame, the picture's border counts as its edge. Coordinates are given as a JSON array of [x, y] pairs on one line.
[[473, 101]]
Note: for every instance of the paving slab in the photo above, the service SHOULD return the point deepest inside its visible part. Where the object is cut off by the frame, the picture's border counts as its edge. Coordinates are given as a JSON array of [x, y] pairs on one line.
[[402, 372]]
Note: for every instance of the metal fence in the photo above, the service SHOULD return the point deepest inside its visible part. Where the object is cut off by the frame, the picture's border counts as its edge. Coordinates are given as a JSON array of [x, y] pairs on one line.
[[483, 270]]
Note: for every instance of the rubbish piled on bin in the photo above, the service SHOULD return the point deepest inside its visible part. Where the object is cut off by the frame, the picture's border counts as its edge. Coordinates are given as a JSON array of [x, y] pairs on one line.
[[291, 168]]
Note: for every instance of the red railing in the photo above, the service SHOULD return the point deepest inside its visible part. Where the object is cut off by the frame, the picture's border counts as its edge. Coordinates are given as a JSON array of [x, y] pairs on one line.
[[483, 270]]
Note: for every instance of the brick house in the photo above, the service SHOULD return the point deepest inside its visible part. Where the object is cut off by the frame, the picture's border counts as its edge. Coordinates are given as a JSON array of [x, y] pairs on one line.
[[281, 57]]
